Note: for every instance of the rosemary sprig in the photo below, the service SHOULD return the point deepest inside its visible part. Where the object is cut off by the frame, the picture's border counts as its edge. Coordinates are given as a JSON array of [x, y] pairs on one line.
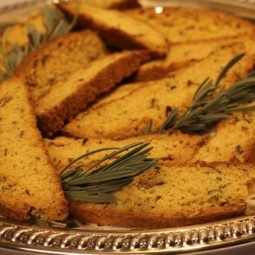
[[55, 24], [212, 103], [93, 184]]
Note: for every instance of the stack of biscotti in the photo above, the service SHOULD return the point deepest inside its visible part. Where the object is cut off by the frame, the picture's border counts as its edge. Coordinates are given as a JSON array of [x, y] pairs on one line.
[[118, 30], [68, 98], [131, 114], [66, 88], [62, 79], [193, 34], [57, 98], [215, 190], [55, 60], [178, 25], [29, 184], [195, 193]]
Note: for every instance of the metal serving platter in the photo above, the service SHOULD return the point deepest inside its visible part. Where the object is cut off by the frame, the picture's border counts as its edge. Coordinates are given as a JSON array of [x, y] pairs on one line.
[[232, 236]]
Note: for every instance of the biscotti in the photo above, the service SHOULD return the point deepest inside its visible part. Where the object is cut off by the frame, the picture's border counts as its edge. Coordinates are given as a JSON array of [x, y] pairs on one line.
[[184, 24], [186, 53], [57, 59], [171, 196], [168, 147], [117, 29], [192, 33], [232, 141], [29, 184], [217, 191], [149, 105], [83, 86]]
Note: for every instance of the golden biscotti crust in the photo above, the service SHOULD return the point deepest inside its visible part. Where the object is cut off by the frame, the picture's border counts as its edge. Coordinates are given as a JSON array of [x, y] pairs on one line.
[[77, 88], [185, 24], [82, 87], [165, 198], [154, 98], [29, 184], [154, 70], [185, 53], [231, 141], [57, 59], [117, 29], [169, 147], [104, 217]]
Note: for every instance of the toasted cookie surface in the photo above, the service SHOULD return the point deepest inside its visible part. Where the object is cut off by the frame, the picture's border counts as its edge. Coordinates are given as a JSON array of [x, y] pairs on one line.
[[119, 30], [83, 86], [131, 114], [57, 59], [29, 184]]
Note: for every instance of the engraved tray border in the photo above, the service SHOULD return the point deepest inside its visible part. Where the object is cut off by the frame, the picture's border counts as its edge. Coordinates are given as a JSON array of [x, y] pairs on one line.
[[21, 237], [38, 239]]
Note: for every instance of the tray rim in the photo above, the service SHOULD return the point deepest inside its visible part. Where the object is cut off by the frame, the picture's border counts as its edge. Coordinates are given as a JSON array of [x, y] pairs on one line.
[[53, 240], [203, 237]]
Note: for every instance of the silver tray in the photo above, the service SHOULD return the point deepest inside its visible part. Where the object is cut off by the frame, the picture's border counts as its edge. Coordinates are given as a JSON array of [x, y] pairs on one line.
[[232, 236]]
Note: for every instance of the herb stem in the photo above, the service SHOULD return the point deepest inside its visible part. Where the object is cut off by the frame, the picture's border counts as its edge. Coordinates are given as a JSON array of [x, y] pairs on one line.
[[212, 103], [93, 183]]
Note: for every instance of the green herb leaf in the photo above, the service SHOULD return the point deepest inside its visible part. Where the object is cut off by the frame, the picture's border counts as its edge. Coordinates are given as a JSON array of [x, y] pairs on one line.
[[230, 64], [168, 124], [212, 103], [93, 184]]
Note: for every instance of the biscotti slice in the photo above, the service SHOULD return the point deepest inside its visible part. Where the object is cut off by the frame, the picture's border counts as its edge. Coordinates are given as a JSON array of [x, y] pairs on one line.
[[171, 196], [114, 4], [232, 141], [83, 86], [57, 59], [186, 53], [150, 104], [176, 148], [119, 30], [183, 24], [29, 184]]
